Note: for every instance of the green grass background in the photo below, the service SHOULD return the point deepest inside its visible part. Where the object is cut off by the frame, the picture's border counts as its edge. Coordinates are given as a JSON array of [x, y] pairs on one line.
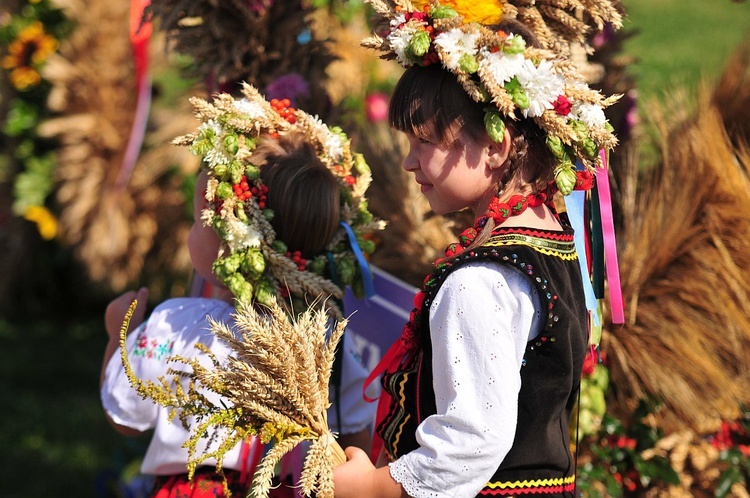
[[680, 42], [54, 440]]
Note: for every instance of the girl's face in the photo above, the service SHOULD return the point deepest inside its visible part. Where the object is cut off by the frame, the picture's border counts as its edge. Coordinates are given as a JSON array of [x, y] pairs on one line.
[[203, 242], [452, 178]]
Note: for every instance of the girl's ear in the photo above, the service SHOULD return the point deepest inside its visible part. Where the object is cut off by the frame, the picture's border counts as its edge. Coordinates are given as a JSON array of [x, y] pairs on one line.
[[498, 152]]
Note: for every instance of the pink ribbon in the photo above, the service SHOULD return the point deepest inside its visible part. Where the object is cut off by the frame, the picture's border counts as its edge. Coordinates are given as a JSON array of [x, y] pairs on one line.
[[610, 245]]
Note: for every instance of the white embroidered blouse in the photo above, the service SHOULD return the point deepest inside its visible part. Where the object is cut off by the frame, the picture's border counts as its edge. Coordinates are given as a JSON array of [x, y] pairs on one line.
[[480, 321], [174, 328]]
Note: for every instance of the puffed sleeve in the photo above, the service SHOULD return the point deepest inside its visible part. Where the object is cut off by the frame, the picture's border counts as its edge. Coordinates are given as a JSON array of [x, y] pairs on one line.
[[173, 329], [480, 322], [121, 402]]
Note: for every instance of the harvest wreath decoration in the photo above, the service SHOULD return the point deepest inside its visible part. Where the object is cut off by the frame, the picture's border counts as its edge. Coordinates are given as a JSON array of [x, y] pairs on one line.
[[253, 264], [498, 68]]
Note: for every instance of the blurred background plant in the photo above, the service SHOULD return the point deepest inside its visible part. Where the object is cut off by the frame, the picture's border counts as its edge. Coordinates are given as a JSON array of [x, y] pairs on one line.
[[621, 460]]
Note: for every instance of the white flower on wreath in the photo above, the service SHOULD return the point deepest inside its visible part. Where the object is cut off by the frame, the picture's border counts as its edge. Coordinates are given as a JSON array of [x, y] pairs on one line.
[[501, 66], [240, 235], [398, 20], [542, 86], [455, 43], [591, 115], [250, 110], [218, 154], [333, 143], [399, 40], [334, 146]]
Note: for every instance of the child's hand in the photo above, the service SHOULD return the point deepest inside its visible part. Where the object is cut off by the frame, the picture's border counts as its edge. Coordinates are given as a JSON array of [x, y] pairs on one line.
[[116, 309], [349, 477], [358, 478]]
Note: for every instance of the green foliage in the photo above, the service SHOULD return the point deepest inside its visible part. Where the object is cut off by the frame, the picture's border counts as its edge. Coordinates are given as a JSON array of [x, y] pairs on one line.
[[680, 41], [33, 185], [344, 10], [738, 470], [52, 420], [736, 456], [32, 157], [618, 467]]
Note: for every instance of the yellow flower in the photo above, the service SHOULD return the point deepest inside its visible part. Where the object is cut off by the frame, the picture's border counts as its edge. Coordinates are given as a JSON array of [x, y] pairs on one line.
[[46, 222], [26, 53], [487, 13]]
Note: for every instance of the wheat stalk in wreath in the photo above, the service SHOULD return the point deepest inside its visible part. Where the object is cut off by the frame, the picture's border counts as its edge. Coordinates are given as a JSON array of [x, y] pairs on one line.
[[274, 385]]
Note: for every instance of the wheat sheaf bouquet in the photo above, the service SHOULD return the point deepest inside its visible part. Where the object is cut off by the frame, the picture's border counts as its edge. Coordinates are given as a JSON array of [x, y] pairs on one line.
[[276, 384]]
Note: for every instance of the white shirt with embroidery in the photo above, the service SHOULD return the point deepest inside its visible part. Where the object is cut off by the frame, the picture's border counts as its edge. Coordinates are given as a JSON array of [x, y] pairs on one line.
[[174, 328], [480, 321]]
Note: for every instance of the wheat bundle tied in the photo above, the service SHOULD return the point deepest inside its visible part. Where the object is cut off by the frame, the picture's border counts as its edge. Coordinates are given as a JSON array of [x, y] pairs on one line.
[[274, 384]]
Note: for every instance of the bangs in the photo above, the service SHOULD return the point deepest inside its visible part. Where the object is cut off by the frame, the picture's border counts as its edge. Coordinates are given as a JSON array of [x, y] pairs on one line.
[[411, 109], [430, 104]]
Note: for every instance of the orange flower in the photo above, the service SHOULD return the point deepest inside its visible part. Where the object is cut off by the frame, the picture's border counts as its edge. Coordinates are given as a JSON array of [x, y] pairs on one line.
[[26, 53], [487, 13], [46, 222]]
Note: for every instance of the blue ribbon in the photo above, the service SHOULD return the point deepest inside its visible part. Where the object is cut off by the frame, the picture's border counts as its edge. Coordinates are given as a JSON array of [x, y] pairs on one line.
[[364, 267], [574, 204]]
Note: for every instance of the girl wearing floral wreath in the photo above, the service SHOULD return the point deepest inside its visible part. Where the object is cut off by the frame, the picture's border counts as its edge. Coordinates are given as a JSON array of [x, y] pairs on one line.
[[266, 212], [480, 388]]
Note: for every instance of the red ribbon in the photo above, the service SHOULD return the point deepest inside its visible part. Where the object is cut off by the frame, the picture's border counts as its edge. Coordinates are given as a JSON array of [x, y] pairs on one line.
[[251, 453], [140, 35]]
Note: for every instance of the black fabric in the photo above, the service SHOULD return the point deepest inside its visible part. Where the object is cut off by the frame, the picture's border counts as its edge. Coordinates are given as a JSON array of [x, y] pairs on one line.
[[550, 377]]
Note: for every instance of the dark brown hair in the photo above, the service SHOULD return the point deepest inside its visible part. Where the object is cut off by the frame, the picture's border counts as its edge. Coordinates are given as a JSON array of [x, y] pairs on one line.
[[302, 192], [430, 103]]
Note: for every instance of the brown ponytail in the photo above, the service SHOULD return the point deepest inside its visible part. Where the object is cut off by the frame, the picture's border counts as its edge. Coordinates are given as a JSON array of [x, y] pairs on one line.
[[302, 192]]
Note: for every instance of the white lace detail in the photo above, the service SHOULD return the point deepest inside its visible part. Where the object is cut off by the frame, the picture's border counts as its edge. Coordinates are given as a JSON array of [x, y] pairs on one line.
[[411, 485], [480, 322]]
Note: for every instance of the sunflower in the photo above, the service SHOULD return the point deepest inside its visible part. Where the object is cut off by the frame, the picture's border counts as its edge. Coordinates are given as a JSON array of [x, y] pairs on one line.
[[26, 53], [486, 13]]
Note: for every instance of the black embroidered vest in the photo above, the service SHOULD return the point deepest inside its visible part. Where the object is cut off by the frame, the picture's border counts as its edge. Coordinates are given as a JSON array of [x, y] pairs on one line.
[[539, 461]]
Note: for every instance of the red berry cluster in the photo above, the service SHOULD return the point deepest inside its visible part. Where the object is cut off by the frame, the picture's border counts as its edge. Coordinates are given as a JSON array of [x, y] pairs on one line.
[[244, 191], [431, 57], [629, 480], [296, 256], [620, 441], [732, 435], [283, 108], [584, 180]]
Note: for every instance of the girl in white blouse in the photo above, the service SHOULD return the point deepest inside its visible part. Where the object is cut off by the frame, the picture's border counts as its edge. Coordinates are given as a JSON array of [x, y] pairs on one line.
[[177, 325], [479, 390]]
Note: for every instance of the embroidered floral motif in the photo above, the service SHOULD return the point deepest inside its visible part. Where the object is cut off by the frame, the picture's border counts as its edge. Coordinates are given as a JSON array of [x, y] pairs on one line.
[[152, 348]]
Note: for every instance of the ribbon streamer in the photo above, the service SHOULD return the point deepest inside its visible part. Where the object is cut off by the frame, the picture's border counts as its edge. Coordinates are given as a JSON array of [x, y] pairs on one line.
[[617, 308], [140, 34], [364, 267], [574, 204]]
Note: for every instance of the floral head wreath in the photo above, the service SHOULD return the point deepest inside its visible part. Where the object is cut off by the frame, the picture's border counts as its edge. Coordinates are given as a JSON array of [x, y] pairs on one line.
[[253, 264], [499, 70], [555, 23]]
